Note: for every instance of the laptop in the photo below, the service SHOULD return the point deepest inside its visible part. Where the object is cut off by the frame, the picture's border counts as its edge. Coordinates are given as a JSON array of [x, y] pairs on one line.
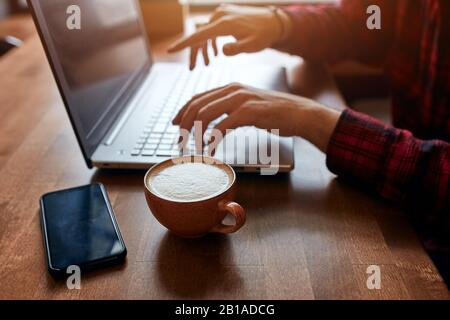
[[121, 104]]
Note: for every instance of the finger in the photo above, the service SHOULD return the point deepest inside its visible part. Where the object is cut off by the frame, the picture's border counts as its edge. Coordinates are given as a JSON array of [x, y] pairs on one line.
[[234, 120], [214, 46], [238, 118], [219, 107], [212, 30], [214, 110], [205, 54], [189, 116], [180, 114], [193, 58], [228, 8], [219, 13], [244, 45], [198, 137]]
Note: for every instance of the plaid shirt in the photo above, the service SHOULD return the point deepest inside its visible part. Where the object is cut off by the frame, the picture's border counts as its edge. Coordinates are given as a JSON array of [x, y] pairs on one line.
[[408, 163]]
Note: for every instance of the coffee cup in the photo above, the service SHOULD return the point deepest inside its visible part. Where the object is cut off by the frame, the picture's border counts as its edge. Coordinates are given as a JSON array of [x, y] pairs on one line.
[[192, 195]]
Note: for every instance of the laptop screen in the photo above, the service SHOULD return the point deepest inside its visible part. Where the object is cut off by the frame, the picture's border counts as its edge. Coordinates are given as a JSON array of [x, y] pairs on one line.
[[98, 52]]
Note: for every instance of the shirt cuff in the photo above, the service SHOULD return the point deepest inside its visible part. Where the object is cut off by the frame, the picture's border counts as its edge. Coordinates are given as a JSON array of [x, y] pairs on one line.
[[358, 147]]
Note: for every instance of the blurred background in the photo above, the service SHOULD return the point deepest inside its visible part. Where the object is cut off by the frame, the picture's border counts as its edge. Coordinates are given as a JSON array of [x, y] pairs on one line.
[[8, 7]]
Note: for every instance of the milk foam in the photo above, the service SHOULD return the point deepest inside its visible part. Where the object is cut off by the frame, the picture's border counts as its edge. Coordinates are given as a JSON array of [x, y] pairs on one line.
[[189, 181]]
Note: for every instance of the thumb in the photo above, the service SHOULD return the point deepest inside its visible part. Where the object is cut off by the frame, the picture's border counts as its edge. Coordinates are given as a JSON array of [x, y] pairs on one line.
[[234, 48]]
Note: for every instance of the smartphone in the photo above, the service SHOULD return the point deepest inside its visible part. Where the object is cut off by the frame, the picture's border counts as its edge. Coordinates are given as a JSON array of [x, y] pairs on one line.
[[79, 229]]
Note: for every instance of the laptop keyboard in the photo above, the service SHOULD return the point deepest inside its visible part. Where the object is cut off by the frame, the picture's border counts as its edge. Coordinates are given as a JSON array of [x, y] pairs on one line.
[[159, 137]]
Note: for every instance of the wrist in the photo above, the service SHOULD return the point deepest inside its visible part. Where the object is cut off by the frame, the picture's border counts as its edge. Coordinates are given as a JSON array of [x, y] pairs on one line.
[[317, 124], [283, 22]]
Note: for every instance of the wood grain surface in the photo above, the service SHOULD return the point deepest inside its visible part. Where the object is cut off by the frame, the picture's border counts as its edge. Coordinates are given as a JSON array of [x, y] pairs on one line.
[[308, 235]]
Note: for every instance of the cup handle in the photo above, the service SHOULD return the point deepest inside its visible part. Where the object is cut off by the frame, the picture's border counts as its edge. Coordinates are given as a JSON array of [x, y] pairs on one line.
[[237, 212]]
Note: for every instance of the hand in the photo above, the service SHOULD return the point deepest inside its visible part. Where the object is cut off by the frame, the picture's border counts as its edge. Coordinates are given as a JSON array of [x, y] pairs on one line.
[[254, 28], [246, 106]]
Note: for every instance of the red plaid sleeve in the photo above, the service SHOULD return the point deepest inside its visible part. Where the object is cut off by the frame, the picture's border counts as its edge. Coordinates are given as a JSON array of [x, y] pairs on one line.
[[394, 163], [336, 32]]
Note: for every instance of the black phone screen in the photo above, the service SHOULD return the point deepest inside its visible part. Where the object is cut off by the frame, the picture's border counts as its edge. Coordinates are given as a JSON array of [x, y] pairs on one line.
[[80, 228]]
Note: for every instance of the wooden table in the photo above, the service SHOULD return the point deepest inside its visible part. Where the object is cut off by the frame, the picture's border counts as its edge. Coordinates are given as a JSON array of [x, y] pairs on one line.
[[308, 236]]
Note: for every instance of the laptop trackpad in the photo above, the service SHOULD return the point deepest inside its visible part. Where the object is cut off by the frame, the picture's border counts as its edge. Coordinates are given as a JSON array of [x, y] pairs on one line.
[[249, 146], [263, 77]]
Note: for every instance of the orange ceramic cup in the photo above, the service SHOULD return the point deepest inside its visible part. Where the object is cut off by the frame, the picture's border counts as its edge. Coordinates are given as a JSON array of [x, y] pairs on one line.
[[192, 219]]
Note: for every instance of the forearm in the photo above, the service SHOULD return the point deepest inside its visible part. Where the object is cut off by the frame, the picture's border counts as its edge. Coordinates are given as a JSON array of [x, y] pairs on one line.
[[285, 24], [394, 163], [317, 125]]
